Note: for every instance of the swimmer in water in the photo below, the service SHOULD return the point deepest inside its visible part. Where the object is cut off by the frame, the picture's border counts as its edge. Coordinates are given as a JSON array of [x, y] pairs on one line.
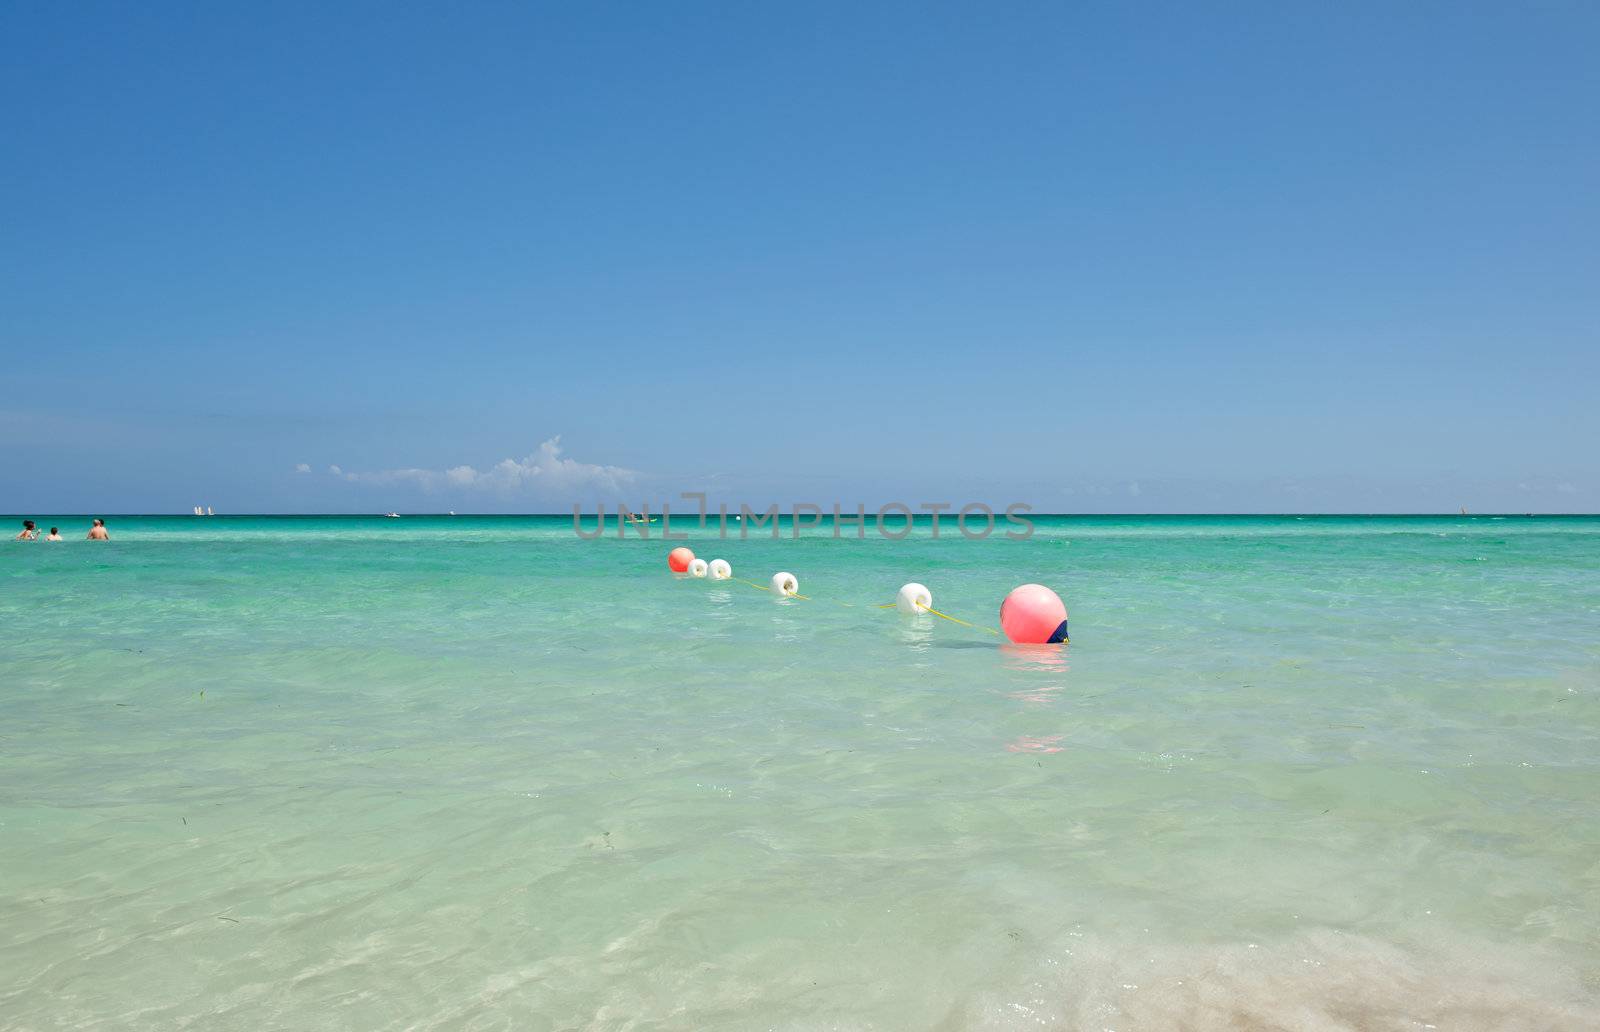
[[29, 533], [55, 535], [98, 531]]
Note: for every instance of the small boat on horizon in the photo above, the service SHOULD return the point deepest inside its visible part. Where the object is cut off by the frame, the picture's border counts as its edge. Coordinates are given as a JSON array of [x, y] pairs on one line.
[[391, 515]]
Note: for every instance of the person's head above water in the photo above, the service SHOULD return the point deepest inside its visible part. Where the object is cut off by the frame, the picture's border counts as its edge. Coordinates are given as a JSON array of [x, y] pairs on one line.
[[99, 522], [53, 530], [27, 524]]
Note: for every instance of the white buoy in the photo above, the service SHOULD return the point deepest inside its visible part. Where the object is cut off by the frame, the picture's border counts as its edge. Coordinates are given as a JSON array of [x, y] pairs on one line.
[[784, 585], [913, 598], [697, 567], [719, 569]]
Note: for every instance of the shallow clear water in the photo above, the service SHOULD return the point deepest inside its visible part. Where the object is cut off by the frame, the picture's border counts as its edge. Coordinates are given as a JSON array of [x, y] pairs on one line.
[[476, 773]]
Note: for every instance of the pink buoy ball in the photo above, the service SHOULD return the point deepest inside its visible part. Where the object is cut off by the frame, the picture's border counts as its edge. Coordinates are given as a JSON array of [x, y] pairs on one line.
[[678, 559], [1034, 615]]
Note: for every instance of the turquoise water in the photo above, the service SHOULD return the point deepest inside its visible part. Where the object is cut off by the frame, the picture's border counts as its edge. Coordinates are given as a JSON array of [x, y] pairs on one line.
[[476, 773]]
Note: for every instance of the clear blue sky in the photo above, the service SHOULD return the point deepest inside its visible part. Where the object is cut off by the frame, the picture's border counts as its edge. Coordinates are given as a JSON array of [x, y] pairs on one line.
[[1096, 257]]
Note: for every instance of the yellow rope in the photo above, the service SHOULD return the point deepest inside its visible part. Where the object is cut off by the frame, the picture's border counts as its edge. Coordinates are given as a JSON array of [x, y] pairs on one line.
[[947, 616], [765, 587], [886, 605]]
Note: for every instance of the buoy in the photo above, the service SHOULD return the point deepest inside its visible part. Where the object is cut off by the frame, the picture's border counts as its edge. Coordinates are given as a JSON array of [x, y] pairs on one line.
[[784, 585], [913, 598], [1033, 615], [719, 569], [697, 567], [678, 559]]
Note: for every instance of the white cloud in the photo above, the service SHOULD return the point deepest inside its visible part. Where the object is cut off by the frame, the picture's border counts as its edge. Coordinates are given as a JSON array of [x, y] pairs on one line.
[[546, 471], [301, 467]]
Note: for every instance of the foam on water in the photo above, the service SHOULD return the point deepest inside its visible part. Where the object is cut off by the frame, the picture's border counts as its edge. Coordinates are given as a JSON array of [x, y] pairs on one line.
[[342, 773]]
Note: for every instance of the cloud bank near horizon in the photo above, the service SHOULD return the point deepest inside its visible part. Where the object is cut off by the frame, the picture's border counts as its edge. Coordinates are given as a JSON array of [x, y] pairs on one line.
[[545, 472]]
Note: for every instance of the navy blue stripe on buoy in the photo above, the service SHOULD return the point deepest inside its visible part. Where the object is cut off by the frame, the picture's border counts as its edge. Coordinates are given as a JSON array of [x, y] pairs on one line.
[[1060, 635]]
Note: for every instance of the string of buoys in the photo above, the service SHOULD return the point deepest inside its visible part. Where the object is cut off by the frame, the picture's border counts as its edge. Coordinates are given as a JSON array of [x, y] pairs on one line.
[[1031, 614]]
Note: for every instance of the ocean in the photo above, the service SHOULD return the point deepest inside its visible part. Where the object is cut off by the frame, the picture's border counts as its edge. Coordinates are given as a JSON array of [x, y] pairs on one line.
[[480, 773]]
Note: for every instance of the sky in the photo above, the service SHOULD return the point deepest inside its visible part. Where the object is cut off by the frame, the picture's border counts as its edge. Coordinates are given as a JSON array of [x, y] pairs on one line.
[[1093, 257]]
